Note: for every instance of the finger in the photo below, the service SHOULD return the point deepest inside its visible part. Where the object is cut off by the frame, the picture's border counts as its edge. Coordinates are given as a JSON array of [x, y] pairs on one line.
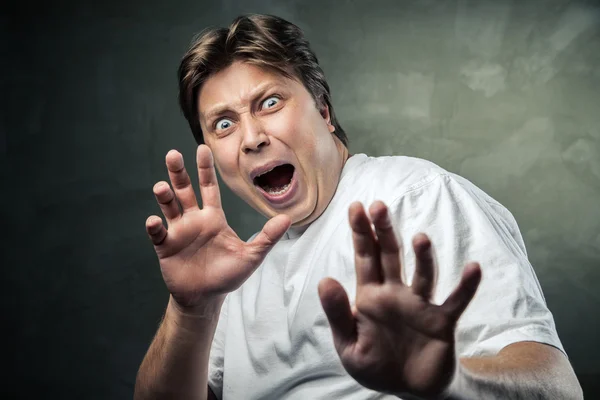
[[337, 309], [156, 230], [388, 244], [166, 200], [424, 279], [209, 187], [366, 251], [180, 180], [271, 233], [460, 298]]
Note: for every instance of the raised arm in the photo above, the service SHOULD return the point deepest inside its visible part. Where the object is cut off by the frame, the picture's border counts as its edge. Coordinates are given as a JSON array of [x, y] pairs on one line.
[[402, 336], [201, 260]]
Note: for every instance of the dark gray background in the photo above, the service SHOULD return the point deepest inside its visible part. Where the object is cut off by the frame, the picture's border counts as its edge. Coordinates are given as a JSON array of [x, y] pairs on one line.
[[505, 93]]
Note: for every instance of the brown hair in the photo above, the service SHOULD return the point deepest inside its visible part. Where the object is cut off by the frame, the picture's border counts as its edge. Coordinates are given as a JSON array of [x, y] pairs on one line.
[[263, 40]]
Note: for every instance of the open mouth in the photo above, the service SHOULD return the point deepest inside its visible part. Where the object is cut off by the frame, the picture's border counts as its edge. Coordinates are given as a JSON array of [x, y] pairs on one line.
[[277, 181]]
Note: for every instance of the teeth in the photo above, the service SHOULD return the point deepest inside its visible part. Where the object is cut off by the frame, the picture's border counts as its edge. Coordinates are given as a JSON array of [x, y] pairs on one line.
[[274, 192]]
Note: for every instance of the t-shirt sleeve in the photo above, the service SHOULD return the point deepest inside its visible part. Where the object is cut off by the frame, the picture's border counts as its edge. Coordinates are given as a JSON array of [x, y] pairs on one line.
[[465, 224], [216, 357]]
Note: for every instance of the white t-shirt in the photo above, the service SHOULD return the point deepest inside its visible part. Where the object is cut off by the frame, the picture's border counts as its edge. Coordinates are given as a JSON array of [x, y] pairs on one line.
[[273, 339]]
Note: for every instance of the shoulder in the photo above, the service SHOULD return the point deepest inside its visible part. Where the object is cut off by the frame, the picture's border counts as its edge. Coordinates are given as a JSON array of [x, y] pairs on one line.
[[415, 182], [403, 167], [391, 177]]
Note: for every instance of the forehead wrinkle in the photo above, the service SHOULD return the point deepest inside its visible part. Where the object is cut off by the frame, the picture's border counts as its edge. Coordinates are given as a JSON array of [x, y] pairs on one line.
[[256, 92]]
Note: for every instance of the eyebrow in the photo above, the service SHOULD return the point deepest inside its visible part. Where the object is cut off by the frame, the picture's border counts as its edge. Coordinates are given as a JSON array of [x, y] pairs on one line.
[[259, 92]]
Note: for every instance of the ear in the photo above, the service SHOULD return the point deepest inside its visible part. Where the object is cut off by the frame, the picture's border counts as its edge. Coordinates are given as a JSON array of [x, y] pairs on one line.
[[327, 117]]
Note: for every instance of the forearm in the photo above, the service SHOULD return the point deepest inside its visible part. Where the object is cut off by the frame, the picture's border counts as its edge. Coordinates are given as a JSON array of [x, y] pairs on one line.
[[176, 364], [517, 373]]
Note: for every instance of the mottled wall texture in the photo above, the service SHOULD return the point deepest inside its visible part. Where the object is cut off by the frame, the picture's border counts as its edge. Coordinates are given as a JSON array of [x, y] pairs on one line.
[[505, 93]]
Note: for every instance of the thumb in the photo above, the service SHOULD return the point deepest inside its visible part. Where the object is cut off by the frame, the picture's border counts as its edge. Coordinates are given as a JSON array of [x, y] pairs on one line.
[[337, 309], [270, 234]]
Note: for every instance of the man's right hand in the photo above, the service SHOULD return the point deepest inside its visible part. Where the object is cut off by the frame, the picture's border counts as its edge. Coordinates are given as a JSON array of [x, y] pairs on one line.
[[201, 257]]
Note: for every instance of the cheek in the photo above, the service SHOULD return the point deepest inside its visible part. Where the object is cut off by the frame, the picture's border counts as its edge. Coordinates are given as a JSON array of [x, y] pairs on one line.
[[282, 124], [231, 175], [295, 127], [226, 165]]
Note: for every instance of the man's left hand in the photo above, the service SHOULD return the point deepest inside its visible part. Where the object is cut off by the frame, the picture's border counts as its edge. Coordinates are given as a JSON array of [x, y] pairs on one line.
[[394, 339]]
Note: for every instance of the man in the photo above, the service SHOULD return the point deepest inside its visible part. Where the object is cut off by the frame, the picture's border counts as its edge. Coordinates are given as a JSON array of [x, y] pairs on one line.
[[327, 301]]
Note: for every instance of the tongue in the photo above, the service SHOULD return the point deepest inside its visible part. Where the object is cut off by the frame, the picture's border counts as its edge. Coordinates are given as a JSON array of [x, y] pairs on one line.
[[278, 177]]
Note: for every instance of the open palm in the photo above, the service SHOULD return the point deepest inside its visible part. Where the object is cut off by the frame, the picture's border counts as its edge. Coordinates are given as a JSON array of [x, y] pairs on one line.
[[394, 340], [200, 255]]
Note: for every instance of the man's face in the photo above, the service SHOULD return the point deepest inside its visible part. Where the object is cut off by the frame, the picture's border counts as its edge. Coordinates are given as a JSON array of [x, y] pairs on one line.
[[253, 119]]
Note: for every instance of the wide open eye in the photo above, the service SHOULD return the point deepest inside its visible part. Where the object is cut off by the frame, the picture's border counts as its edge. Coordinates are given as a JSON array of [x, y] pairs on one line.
[[270, 102], [223, 124]]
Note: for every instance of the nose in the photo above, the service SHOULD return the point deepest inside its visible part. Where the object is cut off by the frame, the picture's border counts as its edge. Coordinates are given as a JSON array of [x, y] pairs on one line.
[[254, 136]]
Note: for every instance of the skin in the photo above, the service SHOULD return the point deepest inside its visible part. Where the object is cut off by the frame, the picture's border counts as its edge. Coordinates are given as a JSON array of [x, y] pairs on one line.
[[271, 117], [255, 127], [394, 340]]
